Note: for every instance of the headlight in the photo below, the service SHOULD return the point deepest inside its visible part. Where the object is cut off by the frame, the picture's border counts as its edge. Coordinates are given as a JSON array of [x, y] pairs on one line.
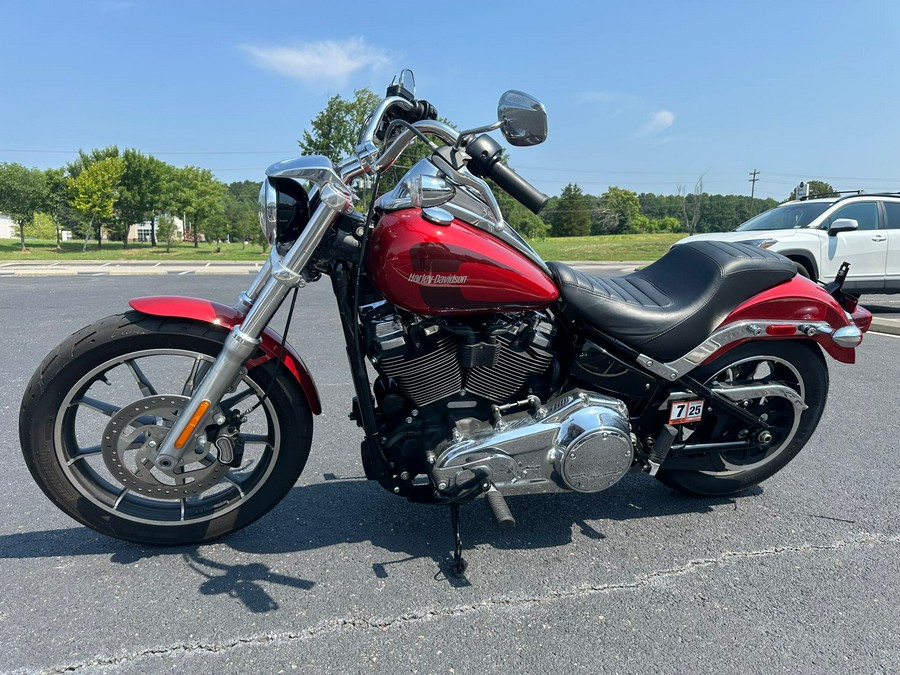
[[283, 209], [761, 243]]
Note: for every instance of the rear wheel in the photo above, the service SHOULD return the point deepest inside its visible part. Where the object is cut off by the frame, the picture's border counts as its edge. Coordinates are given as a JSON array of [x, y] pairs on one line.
[[798, 365], [802, 270], [101, 403]]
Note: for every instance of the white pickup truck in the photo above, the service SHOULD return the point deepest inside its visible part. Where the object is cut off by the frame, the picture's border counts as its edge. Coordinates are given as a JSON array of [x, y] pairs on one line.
[[820, 234]]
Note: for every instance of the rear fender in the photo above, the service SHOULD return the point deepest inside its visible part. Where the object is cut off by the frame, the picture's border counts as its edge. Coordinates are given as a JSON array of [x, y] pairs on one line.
[[798, 300], [221, 315]]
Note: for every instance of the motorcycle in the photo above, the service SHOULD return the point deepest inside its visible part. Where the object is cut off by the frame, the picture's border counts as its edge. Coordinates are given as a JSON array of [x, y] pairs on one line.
[[495, 373]]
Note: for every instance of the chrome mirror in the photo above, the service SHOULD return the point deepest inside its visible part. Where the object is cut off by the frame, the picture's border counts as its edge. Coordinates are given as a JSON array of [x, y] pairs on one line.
[[523, 119], [403, 85]]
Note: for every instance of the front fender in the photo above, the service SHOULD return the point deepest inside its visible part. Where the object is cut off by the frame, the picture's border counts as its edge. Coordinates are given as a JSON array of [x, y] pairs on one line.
[[207, 311]]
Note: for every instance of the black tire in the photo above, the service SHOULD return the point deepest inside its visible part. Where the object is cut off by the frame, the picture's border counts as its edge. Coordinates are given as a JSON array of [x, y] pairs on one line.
[[799, 365], [94, 377], [802, 271]]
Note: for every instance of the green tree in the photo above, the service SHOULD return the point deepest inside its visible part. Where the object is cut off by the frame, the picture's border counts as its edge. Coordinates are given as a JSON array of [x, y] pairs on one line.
[[23, 191], [59, 205], [201, 198], [720, 213], [165, 228], [336, 129], [572, 216], [621, 210], [95, 191], [142, 191], [241, 212], [665, 224], [42, 227], [85, 159]]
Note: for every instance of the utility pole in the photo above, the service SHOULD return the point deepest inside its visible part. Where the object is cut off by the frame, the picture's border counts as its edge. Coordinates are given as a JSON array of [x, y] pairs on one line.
[[753, 179]]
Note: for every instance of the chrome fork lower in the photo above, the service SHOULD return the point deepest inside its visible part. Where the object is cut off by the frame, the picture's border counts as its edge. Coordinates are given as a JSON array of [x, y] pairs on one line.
[[264, 297]]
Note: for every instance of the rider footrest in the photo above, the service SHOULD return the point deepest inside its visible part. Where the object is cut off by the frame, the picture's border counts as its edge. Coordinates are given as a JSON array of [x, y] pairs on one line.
[[499, 509], [661, 448]]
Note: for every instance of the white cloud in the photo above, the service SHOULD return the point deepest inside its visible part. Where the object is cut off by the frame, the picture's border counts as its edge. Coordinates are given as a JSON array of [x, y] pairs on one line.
[[659, 121], [328, 61], [616, 103]]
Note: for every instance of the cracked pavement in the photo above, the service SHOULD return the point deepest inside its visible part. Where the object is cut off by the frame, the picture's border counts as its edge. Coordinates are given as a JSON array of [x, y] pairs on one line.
[[799, 575]]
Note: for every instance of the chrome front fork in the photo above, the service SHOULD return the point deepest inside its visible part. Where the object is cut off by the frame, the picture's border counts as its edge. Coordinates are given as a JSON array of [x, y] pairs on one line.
[[260, 302]]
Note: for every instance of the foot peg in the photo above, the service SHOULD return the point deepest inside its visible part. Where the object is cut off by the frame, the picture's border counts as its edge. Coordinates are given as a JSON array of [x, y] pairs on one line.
[[660, 449], [499, 509]]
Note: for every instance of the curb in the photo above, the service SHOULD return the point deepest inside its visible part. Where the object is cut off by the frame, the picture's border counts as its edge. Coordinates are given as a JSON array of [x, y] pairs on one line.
[[888, 326]]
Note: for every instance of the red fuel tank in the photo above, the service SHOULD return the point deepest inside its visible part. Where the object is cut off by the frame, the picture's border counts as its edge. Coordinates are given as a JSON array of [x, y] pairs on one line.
[[452, 269]]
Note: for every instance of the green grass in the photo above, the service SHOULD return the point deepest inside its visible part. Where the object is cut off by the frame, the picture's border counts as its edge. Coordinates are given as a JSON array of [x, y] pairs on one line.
[[605, 248], [10, 249]]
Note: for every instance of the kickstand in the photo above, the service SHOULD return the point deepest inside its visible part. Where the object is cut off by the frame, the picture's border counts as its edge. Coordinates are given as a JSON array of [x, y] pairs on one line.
[[459, 565]]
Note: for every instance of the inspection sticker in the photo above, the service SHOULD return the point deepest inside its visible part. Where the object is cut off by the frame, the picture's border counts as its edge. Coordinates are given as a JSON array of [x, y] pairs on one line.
[[683, 412]]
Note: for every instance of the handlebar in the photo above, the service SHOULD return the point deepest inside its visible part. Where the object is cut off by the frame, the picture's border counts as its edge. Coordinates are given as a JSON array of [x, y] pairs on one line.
[[518, 188], [485, 161], [377, 118], [484, 151], [433, 127]]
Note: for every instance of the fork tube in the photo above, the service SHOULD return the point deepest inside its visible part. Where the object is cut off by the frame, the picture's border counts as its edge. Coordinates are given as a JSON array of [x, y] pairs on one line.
[[244, 338], [247, 298]]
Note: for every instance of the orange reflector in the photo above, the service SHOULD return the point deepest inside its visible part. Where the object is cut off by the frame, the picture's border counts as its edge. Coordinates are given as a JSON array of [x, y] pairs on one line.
[[780, 331], [192, 424]]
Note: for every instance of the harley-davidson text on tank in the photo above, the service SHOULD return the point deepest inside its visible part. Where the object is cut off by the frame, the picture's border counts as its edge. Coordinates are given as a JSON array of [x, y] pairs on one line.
[[437, 279]]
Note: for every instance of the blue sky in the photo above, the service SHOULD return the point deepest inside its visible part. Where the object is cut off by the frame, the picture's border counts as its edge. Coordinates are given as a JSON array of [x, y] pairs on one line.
[[642, 95]]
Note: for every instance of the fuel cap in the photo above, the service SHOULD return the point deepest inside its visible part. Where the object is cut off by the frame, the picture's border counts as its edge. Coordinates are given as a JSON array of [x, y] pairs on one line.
[[437, 216]]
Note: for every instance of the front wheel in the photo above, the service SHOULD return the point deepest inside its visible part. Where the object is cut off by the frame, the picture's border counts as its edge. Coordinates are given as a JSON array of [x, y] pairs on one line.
[[798, 365], [99, 405]]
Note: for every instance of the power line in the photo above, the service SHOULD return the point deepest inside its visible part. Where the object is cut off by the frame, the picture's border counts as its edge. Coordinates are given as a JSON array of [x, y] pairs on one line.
[[617, 172]]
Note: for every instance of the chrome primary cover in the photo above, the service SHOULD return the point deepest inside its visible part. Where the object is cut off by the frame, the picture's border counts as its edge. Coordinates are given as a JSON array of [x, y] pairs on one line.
[[596, 448], [580, 441]]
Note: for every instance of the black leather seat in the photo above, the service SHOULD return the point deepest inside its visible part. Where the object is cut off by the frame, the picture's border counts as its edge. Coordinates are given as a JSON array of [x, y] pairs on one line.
[[670, 306]]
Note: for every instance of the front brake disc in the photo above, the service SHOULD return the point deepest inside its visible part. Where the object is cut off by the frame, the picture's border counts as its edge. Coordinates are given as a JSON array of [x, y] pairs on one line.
[[132, 439]]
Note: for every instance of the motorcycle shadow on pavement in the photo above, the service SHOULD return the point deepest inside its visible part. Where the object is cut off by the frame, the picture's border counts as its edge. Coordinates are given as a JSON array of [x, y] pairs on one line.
[[353, 511]]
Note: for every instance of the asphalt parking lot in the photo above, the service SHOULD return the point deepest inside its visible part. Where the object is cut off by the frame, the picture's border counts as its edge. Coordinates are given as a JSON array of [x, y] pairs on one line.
[[799, 575]]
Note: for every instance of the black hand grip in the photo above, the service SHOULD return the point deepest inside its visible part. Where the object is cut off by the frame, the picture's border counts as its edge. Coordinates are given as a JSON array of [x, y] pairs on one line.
[[484, 153], [518, 188], [422, 110]]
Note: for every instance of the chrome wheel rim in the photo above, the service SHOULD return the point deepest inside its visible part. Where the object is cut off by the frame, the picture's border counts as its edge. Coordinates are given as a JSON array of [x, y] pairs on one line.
[[777, 412], [132, 394]]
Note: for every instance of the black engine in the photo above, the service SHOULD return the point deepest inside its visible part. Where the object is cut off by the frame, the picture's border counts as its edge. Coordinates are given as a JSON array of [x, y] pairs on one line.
[[434, 372]]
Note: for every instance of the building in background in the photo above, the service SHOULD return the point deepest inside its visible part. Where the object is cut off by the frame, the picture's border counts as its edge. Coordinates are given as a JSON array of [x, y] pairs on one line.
[[141, 231], [8, 229]]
